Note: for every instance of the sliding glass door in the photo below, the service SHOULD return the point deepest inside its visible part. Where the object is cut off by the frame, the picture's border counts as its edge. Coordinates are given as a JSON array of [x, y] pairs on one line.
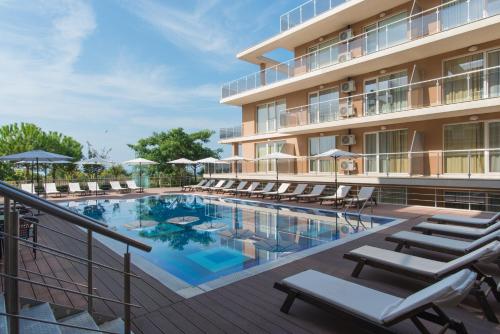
[[386, 33], [267, 116], [460, 87], [386, 94], [319, 145], [386, 152], [263, 149], [460, 143], [323, 106]]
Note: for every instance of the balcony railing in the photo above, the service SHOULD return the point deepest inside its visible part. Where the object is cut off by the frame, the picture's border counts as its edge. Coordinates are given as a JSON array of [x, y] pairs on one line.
[[460, 163], [429, 22], [307, 11], [228, 133]]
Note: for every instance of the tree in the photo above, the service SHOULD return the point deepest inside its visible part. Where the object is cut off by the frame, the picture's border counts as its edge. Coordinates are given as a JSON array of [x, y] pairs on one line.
[[16, 138], [174, 144], [92, 152]]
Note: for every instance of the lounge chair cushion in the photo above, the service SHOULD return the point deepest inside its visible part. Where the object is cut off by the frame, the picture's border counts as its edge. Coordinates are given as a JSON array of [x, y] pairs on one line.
[[315, 192], [433, 241], [463, 230], [355, 298], [471, 221]]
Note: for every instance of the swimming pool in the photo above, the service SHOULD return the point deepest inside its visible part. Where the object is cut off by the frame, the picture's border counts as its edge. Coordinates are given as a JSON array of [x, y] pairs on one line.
[[201, 238]]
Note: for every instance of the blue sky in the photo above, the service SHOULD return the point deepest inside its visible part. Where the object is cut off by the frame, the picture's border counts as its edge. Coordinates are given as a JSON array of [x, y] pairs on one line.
[[113, 71]]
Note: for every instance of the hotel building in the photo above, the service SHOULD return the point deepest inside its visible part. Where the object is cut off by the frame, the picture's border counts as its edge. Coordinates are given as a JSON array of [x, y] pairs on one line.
[[413, 87]]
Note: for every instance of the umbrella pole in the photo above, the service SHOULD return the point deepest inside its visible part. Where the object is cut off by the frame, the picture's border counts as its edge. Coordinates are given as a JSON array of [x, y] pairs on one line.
[[336, 184], [277, 179], [140, 176], [37, 177]]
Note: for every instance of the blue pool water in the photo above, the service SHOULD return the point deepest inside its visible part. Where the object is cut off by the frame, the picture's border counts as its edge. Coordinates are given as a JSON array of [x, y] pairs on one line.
[[198, 239]]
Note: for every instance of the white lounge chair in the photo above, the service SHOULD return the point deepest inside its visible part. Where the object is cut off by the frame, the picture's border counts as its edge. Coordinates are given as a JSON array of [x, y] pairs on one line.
[[74, 188], [116, 186], [219, 185], [267, 188], [299, 189], [132, 186], [439, 244], [94, 188], [281, 190], [375, 310], [51, 189], [315, 193], [240, 186], [207, 185], [456, 231], [28, 187], [464, 221], [191, 187], [364, 195], [339, 196], [251, 188], [228, 185], [431, 270]]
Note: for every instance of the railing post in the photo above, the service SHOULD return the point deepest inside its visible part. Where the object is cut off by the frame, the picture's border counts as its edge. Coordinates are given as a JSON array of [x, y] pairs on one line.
[[126, 295], [90, 276], [12, 302], [469, 162], [5, 250]]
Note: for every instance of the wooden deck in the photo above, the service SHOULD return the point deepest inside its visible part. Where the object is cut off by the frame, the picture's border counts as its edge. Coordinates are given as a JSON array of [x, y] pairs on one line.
[[247, 306]]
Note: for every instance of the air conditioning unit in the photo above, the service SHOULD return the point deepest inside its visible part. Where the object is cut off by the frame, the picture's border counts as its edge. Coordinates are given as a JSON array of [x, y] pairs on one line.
[[348, 165], [348, 86], [343, 57], [346, 110], [345, 35], [348, 140]]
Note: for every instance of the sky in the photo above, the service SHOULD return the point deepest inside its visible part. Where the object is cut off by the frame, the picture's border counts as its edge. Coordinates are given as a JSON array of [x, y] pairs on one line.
[[112, 71]]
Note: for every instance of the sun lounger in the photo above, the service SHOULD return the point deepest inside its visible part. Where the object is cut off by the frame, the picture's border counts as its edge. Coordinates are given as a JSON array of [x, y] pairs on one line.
[[299, 189], [247, 191], [281, 190], [190, 187], [339, 195], [209, 184], [464, 221], [240, 186], [314, 194], [228, 185], [267, 188], [431, 270], [94, 188], [28, 187], [439, 244], [219, 184], [456, 231], [116, 186], [364, 196], [74, 188], [375, 310], [132, 186], [51, 189]]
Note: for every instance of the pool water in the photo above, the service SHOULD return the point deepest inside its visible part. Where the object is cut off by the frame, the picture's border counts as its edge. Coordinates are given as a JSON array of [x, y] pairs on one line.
[[201, 238]]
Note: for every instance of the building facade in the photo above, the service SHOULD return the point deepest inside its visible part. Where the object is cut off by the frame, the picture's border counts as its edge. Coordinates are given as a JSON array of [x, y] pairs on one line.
[[413, 87]]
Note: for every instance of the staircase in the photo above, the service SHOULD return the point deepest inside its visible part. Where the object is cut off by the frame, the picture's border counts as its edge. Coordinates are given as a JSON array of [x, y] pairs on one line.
[[54, 314]]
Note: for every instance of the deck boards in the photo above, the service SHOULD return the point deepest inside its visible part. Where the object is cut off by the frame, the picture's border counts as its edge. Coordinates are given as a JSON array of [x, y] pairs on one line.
[[250, 305]]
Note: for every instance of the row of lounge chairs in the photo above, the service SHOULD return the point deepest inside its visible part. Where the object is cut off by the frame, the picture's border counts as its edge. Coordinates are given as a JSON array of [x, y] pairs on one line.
[[74, 188], [451, 281], [246, 188]]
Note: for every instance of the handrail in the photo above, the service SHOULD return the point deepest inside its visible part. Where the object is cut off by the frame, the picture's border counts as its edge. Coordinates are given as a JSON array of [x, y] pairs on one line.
[[68, 215]]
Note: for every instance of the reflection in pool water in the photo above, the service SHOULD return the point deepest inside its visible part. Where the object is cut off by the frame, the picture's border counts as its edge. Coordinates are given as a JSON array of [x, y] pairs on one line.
[[199, 239]]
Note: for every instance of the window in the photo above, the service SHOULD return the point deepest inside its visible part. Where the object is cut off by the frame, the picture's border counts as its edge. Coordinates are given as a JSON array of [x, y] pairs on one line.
[[386, 152], [319, 145], [263, 149], [267, 116], [386, 33], [323, 105], [461, 138], [466, 87], [494, 146], [325, 53], [387, 93], [494, 74]]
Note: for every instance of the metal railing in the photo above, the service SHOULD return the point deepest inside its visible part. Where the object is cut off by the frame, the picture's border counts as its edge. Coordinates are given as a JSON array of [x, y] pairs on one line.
[[16, 200], [307, 11], [438, 163], [429, 22], [233, 132]]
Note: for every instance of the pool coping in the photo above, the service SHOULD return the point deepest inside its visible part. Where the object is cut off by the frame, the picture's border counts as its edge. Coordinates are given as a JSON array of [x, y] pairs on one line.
[[186, 290]]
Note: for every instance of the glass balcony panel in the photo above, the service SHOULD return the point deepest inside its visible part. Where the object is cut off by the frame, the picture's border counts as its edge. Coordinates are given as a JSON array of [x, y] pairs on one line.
[[463, 162], [284, 22], [294, 18], [324, 5], [307, 11], [493, 7]]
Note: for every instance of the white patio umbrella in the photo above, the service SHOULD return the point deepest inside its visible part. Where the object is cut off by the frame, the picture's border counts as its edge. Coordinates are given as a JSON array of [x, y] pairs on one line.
[[277, 156], [235, 159], [140, 162], [209, 161], [335, 154], [184, 161]]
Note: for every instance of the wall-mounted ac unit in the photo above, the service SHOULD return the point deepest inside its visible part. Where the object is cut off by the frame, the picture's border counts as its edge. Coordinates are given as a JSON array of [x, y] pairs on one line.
[[343, 57], [348, 87], [348, 165], [346, 110], [345, 35], [348, 140]]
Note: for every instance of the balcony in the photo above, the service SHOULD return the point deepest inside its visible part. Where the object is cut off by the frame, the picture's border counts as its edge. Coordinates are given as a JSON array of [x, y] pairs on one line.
[[307, 11], [399, 39], [229, 133], [472, 92]]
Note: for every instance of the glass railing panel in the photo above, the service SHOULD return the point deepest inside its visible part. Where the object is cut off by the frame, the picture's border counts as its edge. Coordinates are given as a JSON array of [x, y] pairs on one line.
[[307, 11], [294, 18], [324, 5], [463, 162]]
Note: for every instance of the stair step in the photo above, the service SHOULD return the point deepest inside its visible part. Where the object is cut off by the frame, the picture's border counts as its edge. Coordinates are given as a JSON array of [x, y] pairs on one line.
[[42, 312], [116, 326], [3, 318], [82, 319]]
